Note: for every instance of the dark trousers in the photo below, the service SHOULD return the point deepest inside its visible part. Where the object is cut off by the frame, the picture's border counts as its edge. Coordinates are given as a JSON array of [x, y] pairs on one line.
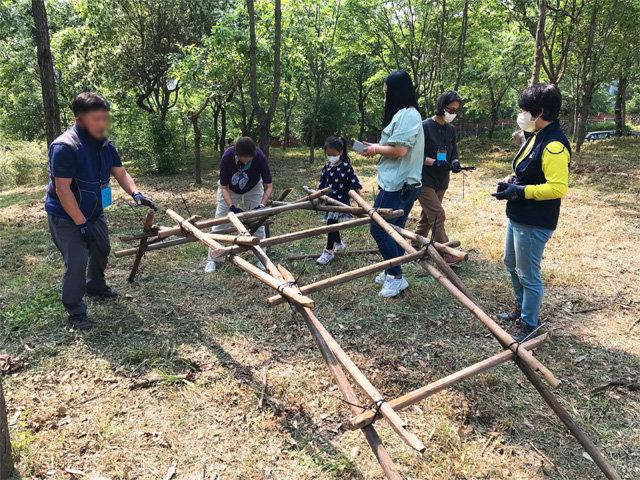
[[388, 247], [77, 256], [333, 237]]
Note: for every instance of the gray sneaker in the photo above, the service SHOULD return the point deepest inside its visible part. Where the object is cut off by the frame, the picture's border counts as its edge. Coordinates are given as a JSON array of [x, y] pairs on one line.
[[512, 316], [382, 276]]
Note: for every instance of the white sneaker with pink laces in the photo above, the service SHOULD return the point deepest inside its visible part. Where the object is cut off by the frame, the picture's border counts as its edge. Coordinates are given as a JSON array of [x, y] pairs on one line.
[[326, 257], [339, 246]]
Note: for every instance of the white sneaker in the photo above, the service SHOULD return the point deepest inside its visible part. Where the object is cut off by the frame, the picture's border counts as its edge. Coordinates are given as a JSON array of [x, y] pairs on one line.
[[382, 276], [393, 286], [325, 258], [338, 247], [210, 267]]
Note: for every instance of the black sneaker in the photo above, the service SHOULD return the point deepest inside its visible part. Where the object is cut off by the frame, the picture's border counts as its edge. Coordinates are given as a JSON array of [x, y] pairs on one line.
[[511, 316], [80, 322], [108, 292], [521, 331]]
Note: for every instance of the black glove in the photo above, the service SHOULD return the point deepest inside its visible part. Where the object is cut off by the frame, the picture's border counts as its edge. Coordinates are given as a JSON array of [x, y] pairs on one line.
[[87, 232], [140, 199], [455, 167], [509, 191], [258, 207], [235, 209]]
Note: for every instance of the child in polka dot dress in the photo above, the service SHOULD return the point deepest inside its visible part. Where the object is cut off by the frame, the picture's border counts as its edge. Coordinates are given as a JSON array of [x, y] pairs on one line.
[[338, 174]]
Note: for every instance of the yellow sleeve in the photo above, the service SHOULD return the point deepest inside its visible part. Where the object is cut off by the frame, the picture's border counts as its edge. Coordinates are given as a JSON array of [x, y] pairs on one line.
[[555, 166]]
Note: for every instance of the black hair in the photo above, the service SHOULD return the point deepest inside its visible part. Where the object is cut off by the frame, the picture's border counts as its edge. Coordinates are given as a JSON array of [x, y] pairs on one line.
[[400, 94], [445, 98], [88, 101], [339, 144], [245, 147], [541, 96]]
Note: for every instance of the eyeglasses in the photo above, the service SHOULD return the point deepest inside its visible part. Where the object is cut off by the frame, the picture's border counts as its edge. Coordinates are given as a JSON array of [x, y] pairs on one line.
[[452, 111]]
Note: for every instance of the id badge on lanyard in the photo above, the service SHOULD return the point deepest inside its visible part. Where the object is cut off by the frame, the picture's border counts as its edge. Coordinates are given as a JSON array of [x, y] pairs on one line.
[[105, 190]]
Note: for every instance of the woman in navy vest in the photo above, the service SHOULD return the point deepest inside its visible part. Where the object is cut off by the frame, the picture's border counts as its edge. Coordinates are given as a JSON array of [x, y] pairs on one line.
[[533, 193]]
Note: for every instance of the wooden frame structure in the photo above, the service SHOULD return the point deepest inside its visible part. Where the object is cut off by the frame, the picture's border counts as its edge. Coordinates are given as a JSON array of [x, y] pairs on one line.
[[228, 245]]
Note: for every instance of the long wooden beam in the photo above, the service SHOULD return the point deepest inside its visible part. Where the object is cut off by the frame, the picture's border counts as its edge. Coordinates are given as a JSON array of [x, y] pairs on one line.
[[248, 267], [291, 237], [350, 275], [503, 337], [408, 399], [372, 437], [340, 253], [385, 410]]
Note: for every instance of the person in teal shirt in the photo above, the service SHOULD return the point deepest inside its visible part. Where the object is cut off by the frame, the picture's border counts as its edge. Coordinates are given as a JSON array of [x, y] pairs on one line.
[[399, 169]]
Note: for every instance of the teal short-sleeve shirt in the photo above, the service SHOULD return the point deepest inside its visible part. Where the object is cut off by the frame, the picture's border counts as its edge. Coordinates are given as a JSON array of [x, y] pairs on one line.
[[404, 130]]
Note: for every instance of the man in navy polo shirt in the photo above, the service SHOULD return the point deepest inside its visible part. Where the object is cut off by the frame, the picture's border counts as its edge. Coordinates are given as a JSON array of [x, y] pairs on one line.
[[81, 162]]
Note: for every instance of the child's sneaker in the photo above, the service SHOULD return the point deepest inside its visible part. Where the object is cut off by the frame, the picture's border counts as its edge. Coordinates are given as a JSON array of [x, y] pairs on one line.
[[210, 267], [338, 247], [393, 286], [326, 257], [382, 276]]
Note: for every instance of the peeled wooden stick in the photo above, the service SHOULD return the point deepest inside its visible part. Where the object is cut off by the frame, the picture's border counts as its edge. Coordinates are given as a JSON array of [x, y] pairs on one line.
[[350, 275], [336, 208], [408, 399], [314, 195], [248, 267], [503, 337]]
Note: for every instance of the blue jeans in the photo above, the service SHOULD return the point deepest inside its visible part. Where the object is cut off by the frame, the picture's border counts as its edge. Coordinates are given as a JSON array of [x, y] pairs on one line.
[[523, 251], [388, 247]]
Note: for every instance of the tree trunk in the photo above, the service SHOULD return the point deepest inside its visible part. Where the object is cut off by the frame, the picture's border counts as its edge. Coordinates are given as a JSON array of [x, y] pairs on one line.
[[461, 44], [216, 131], [362, 112], [197, 138], [264, 117], [223, 130], [314, 123], [539, 49], [584, 116], [47, 76], [6, 462], [619, 106]]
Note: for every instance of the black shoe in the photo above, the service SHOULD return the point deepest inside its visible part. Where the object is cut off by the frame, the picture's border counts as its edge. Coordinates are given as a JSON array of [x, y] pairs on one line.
[[108, 292], [521, 331], [80, 322], [511, 316]]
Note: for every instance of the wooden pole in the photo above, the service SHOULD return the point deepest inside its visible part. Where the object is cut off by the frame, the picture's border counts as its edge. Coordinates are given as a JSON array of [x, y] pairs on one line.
[[370, 433], [248, 267], [314, 195], [408, 399], [356, 211], [434, 254], [503, 337], [387, 412], [178, 241], [142, 247], [6, 462], [350, 275], [569, 422], [291, 237], [364, 251], [372, 437], [440, 247]]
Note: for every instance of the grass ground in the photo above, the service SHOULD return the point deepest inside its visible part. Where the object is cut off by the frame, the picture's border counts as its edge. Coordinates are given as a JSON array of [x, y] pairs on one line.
[[81, 402]]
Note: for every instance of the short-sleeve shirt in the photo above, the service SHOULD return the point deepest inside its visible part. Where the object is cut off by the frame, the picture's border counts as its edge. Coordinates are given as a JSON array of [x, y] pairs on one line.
[[404, 130], [242, 178], [341, 179], [438, 136]]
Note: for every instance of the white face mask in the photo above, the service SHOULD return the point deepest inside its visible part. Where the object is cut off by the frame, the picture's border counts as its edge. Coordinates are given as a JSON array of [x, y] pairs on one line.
[[448, 117], [333, 158], [526, 122]]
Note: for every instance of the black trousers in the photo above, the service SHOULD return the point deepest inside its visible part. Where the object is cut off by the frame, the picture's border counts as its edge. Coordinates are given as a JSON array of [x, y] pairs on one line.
[[333, 237]]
